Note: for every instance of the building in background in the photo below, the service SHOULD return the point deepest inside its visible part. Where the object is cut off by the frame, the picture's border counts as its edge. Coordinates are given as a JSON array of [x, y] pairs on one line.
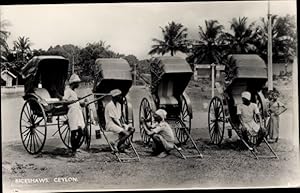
[[8, 78]]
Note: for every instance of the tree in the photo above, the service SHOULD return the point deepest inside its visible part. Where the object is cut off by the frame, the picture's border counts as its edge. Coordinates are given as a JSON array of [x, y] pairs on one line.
[[209, 48], [90, 53], [22, 48], [4, 34], [132, 60], [243, 37], [283, 38], [174, 39]]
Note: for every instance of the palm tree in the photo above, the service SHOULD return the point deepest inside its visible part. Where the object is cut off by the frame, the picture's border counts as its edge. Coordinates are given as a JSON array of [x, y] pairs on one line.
[[3, 36], [283, 38], [209, 48], [174, 39], [22, 46], [243, 37]]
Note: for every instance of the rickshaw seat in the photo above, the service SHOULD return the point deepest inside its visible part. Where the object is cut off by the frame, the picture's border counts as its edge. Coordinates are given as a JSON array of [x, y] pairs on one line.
[[165, 93], [237, 92], [44, 94]]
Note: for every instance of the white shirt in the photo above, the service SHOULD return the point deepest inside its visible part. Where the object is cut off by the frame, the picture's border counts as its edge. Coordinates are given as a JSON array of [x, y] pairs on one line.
[[75, 116], [112, 111], [164, 129], [247, 112]]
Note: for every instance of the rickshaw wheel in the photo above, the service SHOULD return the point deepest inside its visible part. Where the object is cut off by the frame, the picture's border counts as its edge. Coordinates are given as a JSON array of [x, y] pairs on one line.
[[126, 119], [185, 121], [64, 130], [145, 114], [216, 120], [33, 126], [87, 131], [87, 135]]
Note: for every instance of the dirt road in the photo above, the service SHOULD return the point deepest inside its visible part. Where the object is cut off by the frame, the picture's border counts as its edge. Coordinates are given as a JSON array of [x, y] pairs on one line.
[[224, 166]]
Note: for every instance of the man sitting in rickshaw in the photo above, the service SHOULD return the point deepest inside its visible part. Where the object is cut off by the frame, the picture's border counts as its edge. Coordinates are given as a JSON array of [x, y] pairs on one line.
[[113, 113], [75, 116], [246, 113], [161, 134]]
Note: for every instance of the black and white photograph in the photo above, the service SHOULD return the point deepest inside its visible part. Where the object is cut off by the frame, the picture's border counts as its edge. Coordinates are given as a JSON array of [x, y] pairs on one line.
[[149, 96]]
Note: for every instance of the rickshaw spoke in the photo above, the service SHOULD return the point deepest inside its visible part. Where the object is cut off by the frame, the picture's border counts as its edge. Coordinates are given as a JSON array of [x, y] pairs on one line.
[[69, 136], [220, 111], [212, 128], [30, 141], [25, 121], [35, 118], [37, 141], [40, 132], [39, 138], [28, 117], [215, 104], [33, 142], [27, 134], [27, 113], [213, 137], [216, 136], [66, 127], [39, 121], [66, 135], [25, 131], [212, 121]]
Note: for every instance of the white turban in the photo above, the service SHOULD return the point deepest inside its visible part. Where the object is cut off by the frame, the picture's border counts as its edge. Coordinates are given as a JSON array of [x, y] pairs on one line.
[[246, 95], [74, 78], [162, 113]]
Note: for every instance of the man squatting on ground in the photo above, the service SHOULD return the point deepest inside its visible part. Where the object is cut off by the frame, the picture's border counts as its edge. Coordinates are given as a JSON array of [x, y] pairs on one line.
[[75, 116], [161, 134], [113, 121], [246, 113]]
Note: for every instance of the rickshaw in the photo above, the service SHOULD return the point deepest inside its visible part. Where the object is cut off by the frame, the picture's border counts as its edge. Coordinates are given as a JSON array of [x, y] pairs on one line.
[[170, 76], [249, 73], [45, 78], [113, 73]]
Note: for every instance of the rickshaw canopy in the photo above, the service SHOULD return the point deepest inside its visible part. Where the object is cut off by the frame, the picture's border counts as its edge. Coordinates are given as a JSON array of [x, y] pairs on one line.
[[171, 74], [173, 64], [248, 66], [50, 71], [250, 74], [112, 73]]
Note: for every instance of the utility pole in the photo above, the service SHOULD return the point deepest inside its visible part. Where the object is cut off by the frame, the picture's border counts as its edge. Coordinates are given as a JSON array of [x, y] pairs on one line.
[[270, 54], [212, 80]]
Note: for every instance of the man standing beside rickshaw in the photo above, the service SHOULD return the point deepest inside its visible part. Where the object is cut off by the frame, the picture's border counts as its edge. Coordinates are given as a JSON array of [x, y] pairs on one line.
[[75, 116]]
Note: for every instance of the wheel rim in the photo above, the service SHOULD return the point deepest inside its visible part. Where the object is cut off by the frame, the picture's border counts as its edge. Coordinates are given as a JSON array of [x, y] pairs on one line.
[[185, 118], [145, 113], [88, 128], [64, 130], [33, 126], [126, 119], [216, 120]]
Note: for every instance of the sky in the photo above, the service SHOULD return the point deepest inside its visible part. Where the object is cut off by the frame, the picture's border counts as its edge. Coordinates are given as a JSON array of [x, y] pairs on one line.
[[127, 27]]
